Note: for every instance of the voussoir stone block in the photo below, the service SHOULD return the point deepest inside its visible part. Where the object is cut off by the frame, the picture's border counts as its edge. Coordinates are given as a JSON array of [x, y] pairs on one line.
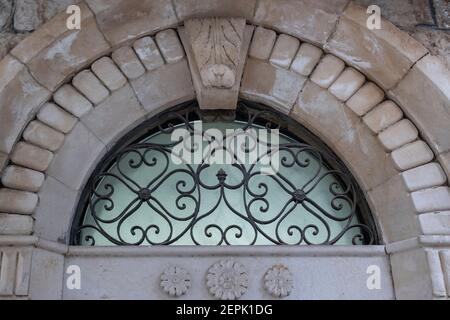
[[19, 202], [309, 20], [115, 116], [187, 9], [128, 62], [412, 155], [77, 157], [270, 85], [32, 157], [20, 97], [398, 135], [164, 87], [327, 71], [435, 223], [367, 97], [90, 86], [284, 51], [19, 178], [347, 84], [43, 136], [321, 112], [148, 52], [170, 45], [105, 69], [374, 51], [14, 224], [72, 101], [383, 116], [424, 95], [430, 200], [122, 20], [56, 117], [426, 176], [308, 56], [262, 43]]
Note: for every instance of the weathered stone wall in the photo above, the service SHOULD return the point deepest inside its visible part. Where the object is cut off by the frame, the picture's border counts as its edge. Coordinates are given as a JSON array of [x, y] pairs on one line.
[[428, 21]]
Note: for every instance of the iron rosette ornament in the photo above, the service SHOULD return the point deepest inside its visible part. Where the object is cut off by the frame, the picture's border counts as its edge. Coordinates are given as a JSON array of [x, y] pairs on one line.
[[227, 280]]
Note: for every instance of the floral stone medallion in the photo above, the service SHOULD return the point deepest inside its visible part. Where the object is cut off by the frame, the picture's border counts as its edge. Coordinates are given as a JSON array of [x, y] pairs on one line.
[[278, 281], [227, 280], [175, 281]]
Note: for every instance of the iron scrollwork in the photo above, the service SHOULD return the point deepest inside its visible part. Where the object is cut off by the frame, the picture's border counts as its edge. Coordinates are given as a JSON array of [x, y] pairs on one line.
[[182, 204]]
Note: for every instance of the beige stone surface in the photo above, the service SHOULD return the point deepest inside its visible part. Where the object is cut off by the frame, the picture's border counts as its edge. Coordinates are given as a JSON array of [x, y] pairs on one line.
[[55, 117], [323, 114], [444, 159], [108, 73], [435, 223], [374, 51], [308, 56], [430, 200], [273, 86], [365, 157], [67, 54], [187, 9], [19, 178], [412, 155], [308, 20], [262, 43], [347, 84], [20, 97], [398, 135], [14, 224], [284, 51], [426, 176], [128, 62], [32, 157], [383, 116], [122, 20], [394, 210], [90, 86], [164, 87], [20, 202], [148, 53], [3, 160], [43, 136], [424, 95], [327, 71], [72, 101], [365, 98], [113, 118], [170, 46]]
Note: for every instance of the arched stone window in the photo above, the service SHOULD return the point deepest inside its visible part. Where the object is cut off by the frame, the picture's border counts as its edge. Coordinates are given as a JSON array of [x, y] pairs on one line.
[[223, 178]]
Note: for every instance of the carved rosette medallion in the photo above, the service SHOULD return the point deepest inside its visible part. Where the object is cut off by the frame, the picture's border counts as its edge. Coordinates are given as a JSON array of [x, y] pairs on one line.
[[279, 281], [227, 280], [175, 281]]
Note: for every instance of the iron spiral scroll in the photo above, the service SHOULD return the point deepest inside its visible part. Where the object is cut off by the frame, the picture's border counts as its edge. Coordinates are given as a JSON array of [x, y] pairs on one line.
[[233, 204]]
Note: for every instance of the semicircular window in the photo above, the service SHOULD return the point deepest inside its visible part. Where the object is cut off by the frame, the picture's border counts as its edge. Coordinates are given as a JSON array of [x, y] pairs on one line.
[[248, 177]]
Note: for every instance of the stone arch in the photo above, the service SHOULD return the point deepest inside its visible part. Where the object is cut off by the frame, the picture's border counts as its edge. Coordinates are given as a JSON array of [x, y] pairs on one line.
[[61, 93]]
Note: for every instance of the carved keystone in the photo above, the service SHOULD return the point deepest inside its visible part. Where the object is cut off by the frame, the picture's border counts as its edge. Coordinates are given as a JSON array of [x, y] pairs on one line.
[[217, 50]]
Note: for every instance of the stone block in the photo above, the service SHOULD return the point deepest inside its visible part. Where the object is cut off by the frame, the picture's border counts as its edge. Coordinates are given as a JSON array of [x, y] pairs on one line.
[[19, 202], [47, 272], [55, 117], [14, 224], [365, 98], [284, 51], [43, 136], [412, 155], [431, 200], [90, 86], [327, 71], [170, 46], [188, 9], [444, 160], [426, 176], [72, 101], [437, 277], [435, 223], [19, 178], [262, 43], [148, 52], [128, 62], [383, 116], [32, 157], [347, 84], [445, 258], [399, 134], [108, 73], [308, 56]]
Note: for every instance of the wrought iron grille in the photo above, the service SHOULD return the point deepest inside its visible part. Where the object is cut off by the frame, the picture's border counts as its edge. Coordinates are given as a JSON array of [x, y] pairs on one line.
[[138, 196]]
